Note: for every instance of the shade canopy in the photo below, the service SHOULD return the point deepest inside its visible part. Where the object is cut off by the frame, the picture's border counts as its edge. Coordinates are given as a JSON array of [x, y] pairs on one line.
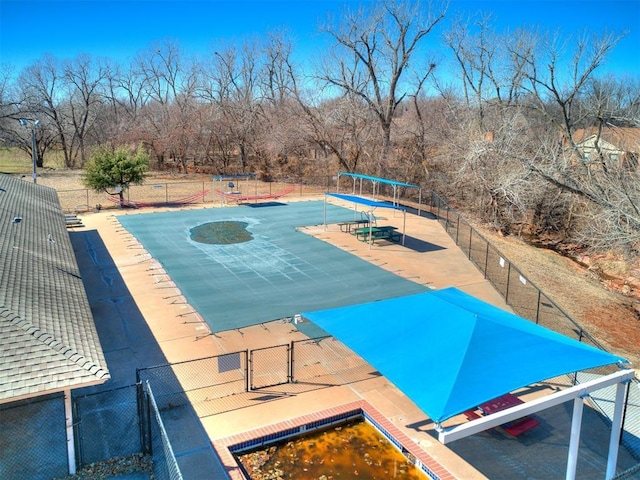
[[386, 181], [449, 352], [364, 201]]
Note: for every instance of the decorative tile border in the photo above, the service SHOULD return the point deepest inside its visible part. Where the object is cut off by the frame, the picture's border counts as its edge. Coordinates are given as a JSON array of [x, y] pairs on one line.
[[277, 431]]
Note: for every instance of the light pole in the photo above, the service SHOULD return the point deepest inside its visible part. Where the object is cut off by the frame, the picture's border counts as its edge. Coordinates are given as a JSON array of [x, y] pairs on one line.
[[34, 151]]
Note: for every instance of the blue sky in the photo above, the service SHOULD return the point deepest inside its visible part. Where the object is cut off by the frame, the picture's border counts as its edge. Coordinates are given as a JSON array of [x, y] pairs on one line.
[[118, 29]]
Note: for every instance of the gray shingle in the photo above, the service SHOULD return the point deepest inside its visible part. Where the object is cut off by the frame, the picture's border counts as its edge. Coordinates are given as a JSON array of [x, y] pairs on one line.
[[48, 339]]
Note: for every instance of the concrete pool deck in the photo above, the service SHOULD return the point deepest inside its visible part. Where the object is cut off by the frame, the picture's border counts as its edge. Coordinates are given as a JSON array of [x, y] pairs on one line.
[[174, 331]]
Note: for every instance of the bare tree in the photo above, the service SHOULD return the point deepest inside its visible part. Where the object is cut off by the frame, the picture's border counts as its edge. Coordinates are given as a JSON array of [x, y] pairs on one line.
[[232, 84], [490, 72], [169, 83], [85, 80], [374, 52]]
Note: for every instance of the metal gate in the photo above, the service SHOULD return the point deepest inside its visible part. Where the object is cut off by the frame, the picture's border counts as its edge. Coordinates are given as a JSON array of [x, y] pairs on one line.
[[269, 366]]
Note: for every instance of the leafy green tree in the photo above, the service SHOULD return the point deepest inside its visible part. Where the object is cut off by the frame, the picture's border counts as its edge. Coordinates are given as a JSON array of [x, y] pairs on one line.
[[112, 170]]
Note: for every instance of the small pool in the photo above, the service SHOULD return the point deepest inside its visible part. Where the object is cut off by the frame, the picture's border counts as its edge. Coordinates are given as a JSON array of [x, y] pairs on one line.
[[351, 449], [334, 446]]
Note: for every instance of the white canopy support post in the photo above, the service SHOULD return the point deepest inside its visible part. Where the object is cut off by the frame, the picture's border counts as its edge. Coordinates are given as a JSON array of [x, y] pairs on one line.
[[574, 441], [370, 227], [466, 429], [404, 225], [71, 447], [616, 429], [576, 393]]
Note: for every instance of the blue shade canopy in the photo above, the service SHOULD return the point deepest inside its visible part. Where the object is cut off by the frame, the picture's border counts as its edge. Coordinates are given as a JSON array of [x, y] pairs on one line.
[[364, 201], [378, 180], [449, 352]]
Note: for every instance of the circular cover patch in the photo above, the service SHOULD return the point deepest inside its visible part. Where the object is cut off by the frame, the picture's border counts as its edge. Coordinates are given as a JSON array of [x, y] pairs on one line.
[[221, 233]]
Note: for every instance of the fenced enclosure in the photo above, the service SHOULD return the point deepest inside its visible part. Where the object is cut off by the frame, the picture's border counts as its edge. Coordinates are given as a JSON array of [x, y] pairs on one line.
[[113, 424], [180, 193], [165, 465], [238, 380], [33, 444], [246, 372], [107, 425]]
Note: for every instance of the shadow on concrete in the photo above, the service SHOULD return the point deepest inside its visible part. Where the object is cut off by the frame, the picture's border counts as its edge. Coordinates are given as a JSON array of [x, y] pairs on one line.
[[420, 246], [128, 345], [542, 452]]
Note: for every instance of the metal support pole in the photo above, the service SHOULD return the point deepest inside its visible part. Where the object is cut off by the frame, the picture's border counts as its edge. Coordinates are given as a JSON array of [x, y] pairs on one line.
[[71, 451], [616, 430], [34, 153], [574, 442]]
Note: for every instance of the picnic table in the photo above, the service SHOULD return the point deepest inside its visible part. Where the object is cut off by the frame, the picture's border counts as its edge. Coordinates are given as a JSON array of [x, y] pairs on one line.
[[378, 233], [516, 427], [350, 224]]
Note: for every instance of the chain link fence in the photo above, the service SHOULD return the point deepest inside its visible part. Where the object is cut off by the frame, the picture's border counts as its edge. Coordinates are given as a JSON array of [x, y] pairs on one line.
[[269, 366], [529, 302], [165, 465], [216, 384], [107, 425], [326, 361], [161, 194], [33, 442]]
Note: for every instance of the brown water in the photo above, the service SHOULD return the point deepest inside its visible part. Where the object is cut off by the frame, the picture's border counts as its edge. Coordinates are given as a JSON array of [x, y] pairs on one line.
[[350, 451]]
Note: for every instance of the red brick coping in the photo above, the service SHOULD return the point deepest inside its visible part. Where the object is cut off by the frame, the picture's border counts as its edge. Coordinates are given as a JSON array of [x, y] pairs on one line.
[[271, 433]]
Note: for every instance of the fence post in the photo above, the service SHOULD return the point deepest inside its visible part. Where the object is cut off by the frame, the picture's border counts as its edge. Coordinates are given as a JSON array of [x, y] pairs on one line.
[[538, 307], [143, 419], [486, 260], [470, 239], [246, 370], [506, 294], [291, 360], [147, 416], [446, 221], [77, 437], [458, 230]]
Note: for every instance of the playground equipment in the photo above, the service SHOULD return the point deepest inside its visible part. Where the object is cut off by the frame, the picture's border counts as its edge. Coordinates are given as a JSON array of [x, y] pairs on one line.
[[233, 193]]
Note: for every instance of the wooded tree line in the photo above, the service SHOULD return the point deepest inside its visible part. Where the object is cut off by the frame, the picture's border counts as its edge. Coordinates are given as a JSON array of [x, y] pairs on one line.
[[492, 121]]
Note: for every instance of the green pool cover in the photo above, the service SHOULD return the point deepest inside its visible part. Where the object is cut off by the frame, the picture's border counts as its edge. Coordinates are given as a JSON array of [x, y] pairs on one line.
[[245, 265]]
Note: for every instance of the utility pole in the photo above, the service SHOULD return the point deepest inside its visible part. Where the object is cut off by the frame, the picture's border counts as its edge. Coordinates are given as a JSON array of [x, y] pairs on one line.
[[33, 124]]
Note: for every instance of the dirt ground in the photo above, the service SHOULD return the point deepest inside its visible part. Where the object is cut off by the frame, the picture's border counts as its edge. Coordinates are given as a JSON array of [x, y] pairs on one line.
[[604, 297]]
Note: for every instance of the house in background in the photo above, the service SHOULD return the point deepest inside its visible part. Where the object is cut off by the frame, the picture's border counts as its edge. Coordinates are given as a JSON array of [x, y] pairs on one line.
[[613, 145], [48, 339]]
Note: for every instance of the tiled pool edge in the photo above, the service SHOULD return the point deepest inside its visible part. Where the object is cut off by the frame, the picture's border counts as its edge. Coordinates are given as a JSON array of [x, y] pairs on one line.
[[282, 429]]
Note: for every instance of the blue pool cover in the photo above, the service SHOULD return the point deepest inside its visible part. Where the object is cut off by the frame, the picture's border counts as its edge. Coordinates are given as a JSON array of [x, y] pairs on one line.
[[449, 352]]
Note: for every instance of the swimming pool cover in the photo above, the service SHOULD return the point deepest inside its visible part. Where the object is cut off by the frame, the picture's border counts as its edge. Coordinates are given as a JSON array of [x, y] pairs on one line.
[[279, 273]]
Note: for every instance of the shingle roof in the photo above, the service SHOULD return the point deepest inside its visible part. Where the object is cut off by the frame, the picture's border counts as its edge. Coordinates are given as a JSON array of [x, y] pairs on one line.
[[624, 138], [48, 339]]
